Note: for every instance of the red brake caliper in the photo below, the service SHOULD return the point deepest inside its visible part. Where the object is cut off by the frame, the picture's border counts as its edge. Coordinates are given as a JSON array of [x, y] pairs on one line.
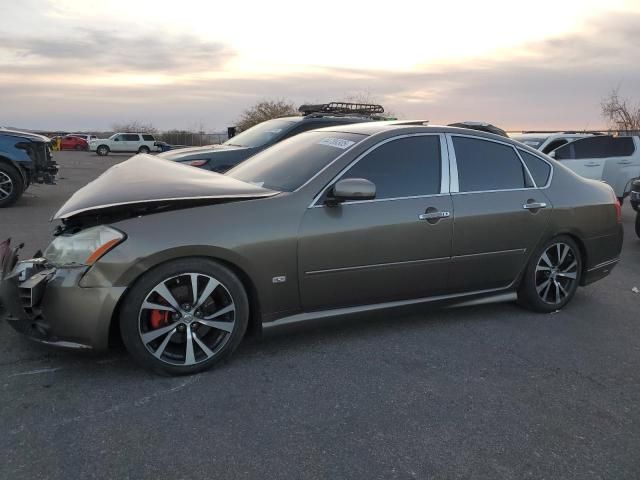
[[159, 318]]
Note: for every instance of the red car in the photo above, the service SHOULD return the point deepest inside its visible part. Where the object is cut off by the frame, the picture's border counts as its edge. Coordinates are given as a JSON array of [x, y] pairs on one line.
[[73, 143]]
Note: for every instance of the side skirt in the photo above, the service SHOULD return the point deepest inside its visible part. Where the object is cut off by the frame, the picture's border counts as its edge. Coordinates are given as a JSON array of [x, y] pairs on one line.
[[446, 301]]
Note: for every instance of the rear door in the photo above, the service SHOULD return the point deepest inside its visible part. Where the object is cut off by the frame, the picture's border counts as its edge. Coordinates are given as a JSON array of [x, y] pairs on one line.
[[623, 165], [392, 248], [586, 156], [500, 213], [131, 142]]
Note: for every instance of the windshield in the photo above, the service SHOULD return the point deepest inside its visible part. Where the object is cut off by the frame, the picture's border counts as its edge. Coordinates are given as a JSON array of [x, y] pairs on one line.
[[260, 134], [289, 164], [531, 142]]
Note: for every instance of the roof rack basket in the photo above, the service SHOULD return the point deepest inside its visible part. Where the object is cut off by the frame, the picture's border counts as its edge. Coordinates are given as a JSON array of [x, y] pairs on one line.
[[341, 108]]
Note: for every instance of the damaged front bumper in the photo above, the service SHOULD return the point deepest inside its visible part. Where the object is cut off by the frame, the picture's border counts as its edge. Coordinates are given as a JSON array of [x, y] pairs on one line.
[[47, 304]]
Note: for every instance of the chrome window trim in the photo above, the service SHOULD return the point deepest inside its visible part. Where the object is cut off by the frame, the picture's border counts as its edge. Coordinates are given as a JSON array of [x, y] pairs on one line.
[[548, 184], [453, 166], [443, 168], [455, 185]]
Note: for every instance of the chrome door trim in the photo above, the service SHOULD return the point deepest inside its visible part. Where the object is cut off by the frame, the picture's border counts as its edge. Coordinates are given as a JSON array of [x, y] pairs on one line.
[[443, 164], [375, 265], [453, 165], [355, 202], [497, 252]]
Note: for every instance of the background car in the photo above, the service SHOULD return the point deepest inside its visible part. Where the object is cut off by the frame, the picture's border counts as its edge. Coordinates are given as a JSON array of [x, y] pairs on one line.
[[70, 142], [85, 136], [547, 142], [220, 158], [25, 158], [125, 142], [350, 219], [614, 160]]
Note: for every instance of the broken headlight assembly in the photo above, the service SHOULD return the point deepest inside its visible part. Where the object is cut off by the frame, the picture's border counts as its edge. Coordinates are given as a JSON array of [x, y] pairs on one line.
[[84, 247]]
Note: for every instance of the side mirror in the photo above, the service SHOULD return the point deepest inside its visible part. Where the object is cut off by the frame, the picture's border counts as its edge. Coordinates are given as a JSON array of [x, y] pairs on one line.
[[352, 189]]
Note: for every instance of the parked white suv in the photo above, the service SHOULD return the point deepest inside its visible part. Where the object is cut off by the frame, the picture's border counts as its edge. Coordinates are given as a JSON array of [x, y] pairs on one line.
[[614, 160], [124, 142], [547, 142]]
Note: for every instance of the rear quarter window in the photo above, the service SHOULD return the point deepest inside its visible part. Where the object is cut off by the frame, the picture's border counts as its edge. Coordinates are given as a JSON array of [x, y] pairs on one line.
[[148, 138], [539, 169]]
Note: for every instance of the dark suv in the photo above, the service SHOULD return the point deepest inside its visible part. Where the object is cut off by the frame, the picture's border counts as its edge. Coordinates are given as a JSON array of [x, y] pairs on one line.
[[221, 158], [25, 158]]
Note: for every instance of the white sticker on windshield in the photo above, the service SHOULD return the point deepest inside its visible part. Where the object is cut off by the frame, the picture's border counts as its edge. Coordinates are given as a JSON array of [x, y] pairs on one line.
[[532, 143], [340, 143], [257, 184]]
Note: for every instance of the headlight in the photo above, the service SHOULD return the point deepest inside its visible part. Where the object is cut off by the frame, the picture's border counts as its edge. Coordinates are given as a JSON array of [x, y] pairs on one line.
[[83, 248]]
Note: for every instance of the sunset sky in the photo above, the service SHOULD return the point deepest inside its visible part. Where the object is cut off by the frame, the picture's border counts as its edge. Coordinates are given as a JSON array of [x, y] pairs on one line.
[[82, 65]]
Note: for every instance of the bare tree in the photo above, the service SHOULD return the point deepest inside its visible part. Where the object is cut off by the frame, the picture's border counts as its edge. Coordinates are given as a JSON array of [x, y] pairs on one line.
[[265, 110], [620, 113], [134, 127]]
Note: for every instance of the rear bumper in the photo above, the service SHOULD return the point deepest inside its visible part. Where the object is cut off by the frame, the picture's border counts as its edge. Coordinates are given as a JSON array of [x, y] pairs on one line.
[[598, 272], [48, 305]]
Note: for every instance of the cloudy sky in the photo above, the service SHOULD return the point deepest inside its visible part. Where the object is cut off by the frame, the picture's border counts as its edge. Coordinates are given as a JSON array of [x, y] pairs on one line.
[[79, 64]]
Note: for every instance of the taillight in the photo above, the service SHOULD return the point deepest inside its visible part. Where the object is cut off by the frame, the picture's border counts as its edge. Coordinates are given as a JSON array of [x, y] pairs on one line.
[[618, 206]]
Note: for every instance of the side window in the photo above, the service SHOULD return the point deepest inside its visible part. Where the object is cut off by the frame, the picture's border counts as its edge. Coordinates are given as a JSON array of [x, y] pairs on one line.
[[131, 137], [485, 165], [402, 168], [623, 147], [148, 138], [540, 170], [554, 144], [601, 146]]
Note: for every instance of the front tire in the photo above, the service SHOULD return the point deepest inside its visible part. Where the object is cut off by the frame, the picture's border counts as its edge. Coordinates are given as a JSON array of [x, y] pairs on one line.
[[143, 149], [11, 185], [184, 316], [102, 150], [638, 224], [552, 276]]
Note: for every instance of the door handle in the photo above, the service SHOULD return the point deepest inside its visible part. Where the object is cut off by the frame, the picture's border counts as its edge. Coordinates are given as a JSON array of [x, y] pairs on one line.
[[624, 162], [434, 215], [592, 164], [534, 205]]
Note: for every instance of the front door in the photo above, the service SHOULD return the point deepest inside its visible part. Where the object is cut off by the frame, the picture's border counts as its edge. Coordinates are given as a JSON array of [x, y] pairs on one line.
[[395, 247], [500, 215]]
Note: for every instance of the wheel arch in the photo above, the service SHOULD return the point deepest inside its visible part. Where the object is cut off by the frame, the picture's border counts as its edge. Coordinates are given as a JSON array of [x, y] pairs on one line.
[[21, 170], [255, 313]]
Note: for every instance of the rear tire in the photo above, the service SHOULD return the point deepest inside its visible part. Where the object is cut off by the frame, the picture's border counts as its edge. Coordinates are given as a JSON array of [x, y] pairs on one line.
[[552, 276], [102, 150], [11, 185], [205, 331], [143, 149]]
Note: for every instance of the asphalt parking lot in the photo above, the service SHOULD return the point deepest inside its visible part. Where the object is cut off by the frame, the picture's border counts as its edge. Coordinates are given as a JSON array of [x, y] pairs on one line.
[[480, 392]]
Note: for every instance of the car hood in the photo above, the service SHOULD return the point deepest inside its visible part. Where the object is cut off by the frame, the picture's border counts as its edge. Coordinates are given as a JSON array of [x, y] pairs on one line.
[[186, 153], [145, 180], [34, 137]]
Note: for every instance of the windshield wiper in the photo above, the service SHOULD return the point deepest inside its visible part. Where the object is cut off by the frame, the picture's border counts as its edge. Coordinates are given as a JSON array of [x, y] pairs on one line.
[[234, 145]]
